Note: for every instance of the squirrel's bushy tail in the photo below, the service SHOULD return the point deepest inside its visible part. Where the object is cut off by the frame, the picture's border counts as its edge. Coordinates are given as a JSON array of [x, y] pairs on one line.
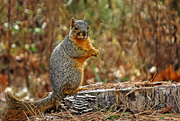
[[17, 109]]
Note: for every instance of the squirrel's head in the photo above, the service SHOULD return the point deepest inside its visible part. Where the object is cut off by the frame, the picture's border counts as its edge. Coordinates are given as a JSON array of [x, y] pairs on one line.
[[79, 29]]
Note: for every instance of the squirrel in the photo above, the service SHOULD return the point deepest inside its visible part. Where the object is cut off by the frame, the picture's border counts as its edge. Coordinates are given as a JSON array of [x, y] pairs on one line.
[[66, 73]]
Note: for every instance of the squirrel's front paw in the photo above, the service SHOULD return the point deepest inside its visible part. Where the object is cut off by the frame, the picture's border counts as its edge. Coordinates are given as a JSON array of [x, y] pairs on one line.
[[95, 52]]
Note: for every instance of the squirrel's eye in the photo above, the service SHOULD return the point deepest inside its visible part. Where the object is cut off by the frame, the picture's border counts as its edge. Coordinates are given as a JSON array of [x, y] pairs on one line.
[[88, 27], [76, 28]]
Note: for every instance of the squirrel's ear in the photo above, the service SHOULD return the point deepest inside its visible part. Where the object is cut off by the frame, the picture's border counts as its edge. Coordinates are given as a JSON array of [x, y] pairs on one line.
[[84, 19], [72, 22]]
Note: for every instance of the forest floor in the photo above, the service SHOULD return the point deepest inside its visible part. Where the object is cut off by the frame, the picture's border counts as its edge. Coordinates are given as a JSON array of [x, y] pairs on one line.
[[109, 115]]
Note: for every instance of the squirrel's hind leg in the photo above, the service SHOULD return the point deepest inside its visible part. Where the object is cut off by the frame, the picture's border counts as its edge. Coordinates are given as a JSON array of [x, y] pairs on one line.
[[71, 92]]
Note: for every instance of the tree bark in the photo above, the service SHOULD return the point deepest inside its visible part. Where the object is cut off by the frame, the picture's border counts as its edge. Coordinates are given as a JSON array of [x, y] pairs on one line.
[[134, 98]]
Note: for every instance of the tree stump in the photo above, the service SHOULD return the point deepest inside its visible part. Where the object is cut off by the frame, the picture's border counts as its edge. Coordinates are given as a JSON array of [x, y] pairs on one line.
[[136, 96]]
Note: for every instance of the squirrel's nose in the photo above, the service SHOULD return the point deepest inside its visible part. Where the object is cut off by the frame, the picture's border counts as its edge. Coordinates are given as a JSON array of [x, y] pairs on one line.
[[84, 33]]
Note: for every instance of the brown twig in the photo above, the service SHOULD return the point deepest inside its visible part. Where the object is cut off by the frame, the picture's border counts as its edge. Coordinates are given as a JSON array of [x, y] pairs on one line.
[[75, 118], [122, 113], [153, 77], [9, 39]]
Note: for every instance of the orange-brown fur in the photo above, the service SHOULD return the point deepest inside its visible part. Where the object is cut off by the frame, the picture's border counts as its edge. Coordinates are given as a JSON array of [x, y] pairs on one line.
[[85, 45], [78, 37]]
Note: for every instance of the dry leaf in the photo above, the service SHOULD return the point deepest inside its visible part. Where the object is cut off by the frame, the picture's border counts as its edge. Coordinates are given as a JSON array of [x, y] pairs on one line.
[[167, 74], [3, 82]]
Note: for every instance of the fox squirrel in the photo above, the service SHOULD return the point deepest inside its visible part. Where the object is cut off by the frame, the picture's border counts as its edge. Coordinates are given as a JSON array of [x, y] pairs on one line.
[[66, 73]]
